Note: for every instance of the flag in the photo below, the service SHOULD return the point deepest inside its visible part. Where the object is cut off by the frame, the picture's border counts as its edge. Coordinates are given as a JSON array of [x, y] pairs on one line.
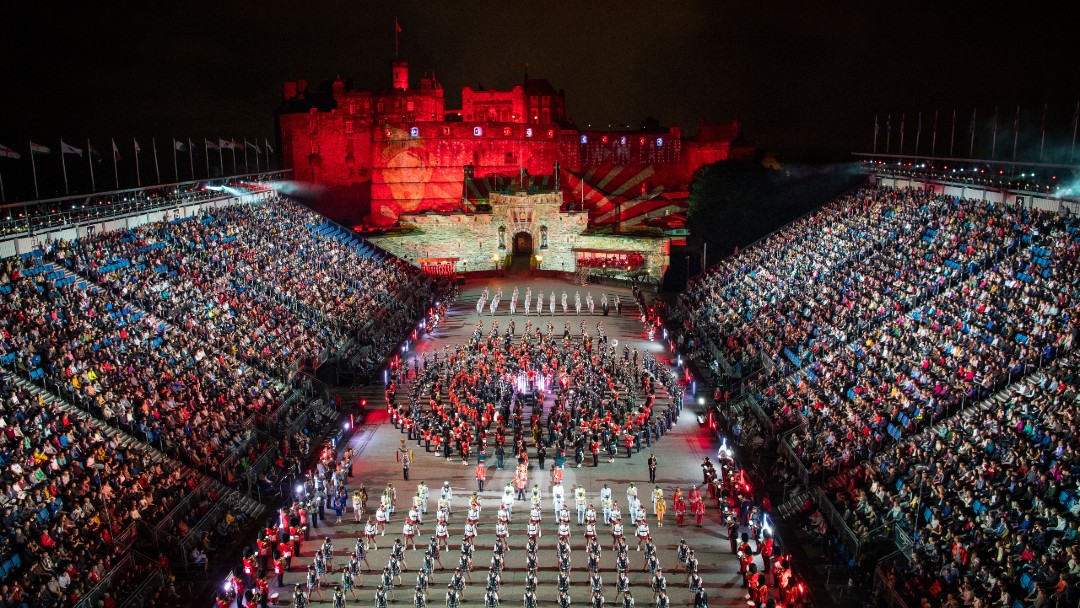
[[226, 145], [6, 152], [918, 127], [94, 154], [137, 148], [39, 149], [397, 26], [211, 145], [115, 151], [237, 145], [69, 149], [875, 125], [179, 145], [270, 148]]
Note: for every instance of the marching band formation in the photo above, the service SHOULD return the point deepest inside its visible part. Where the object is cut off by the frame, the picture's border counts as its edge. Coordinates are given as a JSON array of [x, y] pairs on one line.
[[490, 302]]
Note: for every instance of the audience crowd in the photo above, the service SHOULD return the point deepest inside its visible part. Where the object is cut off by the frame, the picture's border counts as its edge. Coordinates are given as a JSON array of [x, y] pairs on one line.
[[885, 314], [70, 495], [184, 333]]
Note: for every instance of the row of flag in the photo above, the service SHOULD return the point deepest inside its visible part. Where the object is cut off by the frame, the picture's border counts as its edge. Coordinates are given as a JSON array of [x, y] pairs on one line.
[[178, 146], [971, 131]]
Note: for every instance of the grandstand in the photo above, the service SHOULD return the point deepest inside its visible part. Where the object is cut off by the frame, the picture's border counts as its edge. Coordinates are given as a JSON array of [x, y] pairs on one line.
[[911, 354], [157, 375]]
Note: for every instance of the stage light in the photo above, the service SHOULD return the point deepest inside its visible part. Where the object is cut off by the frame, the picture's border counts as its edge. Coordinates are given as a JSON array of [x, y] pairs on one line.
[[300, 489], [346, 426]]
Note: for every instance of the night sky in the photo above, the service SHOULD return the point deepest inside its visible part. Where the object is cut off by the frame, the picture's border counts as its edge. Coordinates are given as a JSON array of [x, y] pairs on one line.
[[805, 79]]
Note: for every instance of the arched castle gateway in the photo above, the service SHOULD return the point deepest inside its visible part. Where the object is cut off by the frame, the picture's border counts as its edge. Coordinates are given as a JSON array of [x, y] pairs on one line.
[[526, 229]]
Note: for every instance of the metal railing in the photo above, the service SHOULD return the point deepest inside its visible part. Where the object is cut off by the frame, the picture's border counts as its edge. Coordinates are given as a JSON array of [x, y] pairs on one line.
[[138, 597], [836, 521], [789, 454], [98, 591], [885, 593], [49, 214]]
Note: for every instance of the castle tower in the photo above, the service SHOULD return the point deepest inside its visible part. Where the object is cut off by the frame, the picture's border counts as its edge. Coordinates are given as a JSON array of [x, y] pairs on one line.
[[399, 72]]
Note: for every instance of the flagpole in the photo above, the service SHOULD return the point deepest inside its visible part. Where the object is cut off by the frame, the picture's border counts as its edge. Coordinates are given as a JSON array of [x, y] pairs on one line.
[[90, 161], [206, 153], [888, 134], [3, 198], [933, 139], [233, 150], [258, 169], [918, 133], [221, 158], [1076, 119], [116, 173], [33, 167], [246, 169], [1016, 130], [63, 165], [971, 150], [191, 156], [157, 168], [175, 168], [875, 132], [138, 174], [1042, 128], [266, 142], [993, 143], [952, 133], [902, 116]]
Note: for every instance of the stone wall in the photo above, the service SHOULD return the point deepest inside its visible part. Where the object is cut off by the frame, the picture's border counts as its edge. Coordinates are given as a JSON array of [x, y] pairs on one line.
[[475, 238]]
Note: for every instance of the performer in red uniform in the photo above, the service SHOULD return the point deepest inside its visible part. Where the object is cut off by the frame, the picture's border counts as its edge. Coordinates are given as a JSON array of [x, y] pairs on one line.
[[680, 506]]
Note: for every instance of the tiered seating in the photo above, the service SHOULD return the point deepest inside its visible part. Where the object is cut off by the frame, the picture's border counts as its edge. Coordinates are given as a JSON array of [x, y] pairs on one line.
[[866, 256], [172, 269], [956, 347], [950, 302], [183, 334], [127, 367], [69, 493], [989, 497]]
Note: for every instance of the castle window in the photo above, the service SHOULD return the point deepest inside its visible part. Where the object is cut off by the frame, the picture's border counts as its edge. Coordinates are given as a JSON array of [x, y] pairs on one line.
[[509, 158], [446, 130], [546, 113], [349, 126], [381, 107], [409, 106], [506, 131], [352, 107]]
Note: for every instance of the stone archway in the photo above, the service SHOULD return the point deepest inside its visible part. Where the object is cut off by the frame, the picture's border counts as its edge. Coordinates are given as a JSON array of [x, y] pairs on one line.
[[523, 244]]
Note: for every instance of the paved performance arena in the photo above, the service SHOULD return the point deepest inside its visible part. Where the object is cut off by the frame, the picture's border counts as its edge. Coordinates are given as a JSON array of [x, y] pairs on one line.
[[679, 454]]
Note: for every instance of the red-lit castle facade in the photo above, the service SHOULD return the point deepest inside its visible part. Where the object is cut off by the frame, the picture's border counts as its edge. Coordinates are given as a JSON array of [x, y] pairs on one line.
[[402, 151]]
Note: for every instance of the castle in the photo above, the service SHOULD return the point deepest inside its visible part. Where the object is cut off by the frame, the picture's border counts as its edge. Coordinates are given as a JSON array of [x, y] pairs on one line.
[[401, 151]]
